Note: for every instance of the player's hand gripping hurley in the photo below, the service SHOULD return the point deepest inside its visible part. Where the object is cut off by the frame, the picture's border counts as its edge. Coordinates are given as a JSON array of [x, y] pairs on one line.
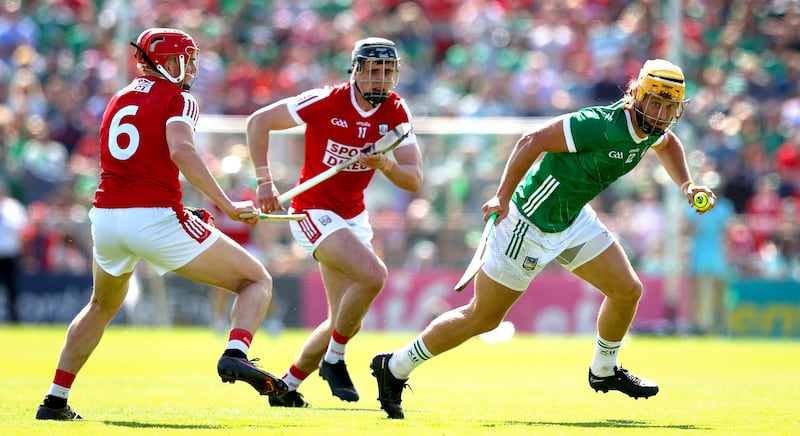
[[480, 255], [388, 142], [385, 144]]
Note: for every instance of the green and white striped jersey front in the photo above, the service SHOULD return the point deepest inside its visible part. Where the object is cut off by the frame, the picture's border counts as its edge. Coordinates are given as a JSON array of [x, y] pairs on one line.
[[603, 146]]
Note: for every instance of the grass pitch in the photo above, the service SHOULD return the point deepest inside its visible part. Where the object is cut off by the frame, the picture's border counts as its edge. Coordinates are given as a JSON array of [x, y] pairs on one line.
[[164, 382]]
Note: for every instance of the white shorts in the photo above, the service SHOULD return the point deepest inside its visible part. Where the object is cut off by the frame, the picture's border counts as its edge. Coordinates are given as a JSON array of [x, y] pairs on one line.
[[321, 223], [123, 236], [518, 250]]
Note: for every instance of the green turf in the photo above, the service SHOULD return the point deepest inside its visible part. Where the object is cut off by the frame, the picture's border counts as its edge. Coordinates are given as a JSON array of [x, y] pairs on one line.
[[164, 382]]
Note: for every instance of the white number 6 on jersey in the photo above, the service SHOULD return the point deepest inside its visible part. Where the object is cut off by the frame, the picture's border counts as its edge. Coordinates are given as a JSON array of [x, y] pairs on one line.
[[118, 128]]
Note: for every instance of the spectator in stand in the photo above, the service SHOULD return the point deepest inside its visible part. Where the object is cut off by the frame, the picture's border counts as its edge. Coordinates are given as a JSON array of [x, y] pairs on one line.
[[742, 248], [43, 161], [607, 90], [17, 28], [13, 219], [780, 257], [772, 133], [787, 165], [764, 209], [25, 92]]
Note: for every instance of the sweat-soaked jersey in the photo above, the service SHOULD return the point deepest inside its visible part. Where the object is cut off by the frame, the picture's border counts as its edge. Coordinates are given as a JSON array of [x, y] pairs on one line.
[[603, 146], [135, 162], [337, 129]]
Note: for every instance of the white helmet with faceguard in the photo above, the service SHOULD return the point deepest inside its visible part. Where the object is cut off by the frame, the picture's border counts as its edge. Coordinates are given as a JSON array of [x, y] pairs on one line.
[[374, 68], [156, 45], [658, 96]]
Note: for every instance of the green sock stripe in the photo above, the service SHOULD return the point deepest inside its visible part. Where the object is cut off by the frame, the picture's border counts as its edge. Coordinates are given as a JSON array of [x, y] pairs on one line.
[[606, 346], [420, 352]]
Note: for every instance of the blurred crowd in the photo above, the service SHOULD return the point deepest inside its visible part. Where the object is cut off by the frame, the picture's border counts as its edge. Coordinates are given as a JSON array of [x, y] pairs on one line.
[[61, 60]]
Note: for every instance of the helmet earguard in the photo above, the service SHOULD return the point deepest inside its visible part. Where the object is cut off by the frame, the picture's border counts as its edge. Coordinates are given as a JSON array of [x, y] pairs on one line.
[[377, 50], [662, 80], [155, 45]]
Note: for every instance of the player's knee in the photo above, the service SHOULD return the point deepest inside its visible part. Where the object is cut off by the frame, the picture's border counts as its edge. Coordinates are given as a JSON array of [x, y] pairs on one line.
[[623, 292], [261, 289], [265, 281], [375, 278], [257, 281], [631, 292]]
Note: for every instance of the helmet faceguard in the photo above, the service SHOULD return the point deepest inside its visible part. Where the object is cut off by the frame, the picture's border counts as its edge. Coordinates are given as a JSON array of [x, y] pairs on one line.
[[658, 96], [156, 45], [375, 68]]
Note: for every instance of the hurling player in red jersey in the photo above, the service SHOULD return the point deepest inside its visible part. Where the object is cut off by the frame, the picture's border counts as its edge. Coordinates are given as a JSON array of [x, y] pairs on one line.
[[341, 121], [147, 137]]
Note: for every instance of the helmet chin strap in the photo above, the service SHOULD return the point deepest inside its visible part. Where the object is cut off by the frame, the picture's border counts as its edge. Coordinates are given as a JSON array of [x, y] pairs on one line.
[[188, 86], [645, 122], [370, 100], [169, 77], [164, 72], [648, 129]]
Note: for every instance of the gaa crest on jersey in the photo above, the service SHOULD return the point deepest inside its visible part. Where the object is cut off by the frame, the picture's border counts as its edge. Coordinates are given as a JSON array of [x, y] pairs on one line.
[[339, 122], [530, 263], [615, 154], [383, 128]]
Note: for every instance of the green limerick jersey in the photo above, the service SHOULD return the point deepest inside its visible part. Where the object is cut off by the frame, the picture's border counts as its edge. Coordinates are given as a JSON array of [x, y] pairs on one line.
[[603, 146]]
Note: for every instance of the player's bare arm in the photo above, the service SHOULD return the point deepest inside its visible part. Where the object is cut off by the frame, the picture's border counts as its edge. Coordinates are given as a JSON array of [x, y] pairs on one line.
[[180, 139], [260, 123], [530, 147], [405, 170], [671, 154]]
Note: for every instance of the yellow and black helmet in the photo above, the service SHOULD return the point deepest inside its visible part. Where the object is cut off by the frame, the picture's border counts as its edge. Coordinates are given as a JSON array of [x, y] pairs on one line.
[[659, 96]]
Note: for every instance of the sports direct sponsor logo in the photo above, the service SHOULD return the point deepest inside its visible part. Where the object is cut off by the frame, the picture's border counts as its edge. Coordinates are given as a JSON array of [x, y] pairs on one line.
[[336, 153]]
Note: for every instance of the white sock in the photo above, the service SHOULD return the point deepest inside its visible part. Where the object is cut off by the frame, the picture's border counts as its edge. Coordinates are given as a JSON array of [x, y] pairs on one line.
[[58, 391], [292, 381], [335, 351], [236, 344], [406, 359], [605, 357]]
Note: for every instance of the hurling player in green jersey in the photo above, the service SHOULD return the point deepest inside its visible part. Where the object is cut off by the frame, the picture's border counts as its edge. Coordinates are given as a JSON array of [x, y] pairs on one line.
[[543, 214]]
